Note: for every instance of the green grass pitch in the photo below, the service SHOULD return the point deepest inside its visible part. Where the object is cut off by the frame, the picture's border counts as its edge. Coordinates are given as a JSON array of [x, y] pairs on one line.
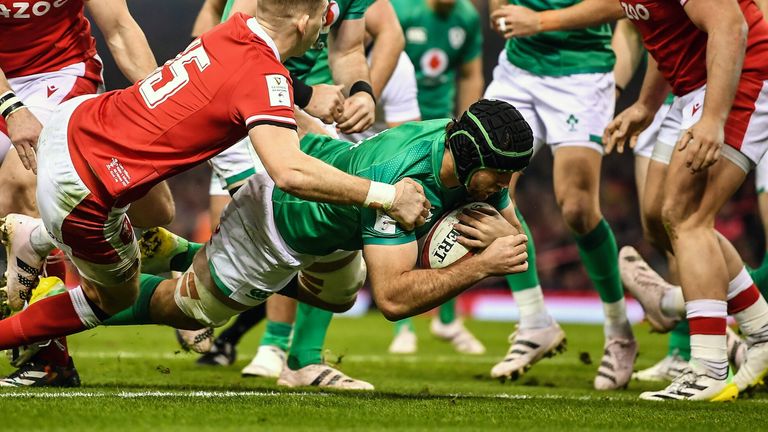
[[136, 379]]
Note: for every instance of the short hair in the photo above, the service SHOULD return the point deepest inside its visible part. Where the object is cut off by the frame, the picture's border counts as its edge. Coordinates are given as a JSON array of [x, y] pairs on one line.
[[291, 7]]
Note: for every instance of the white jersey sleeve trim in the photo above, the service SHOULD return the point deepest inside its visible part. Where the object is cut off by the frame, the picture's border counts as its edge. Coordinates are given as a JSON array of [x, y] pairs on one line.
[[266, 118]]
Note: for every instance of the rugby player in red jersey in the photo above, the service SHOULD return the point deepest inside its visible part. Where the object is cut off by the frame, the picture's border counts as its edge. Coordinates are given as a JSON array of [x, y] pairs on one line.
[[99, 154], [712, 53], [48, 56]]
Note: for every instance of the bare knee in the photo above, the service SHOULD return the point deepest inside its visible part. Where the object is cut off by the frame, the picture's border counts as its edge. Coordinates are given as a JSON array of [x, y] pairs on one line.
[[579, 212]]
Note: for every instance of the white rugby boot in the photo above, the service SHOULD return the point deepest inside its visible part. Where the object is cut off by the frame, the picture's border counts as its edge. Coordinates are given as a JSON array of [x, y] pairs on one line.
[[24, 263], [528, 346], [320, 375], [460, 337], [617, 364], [695, 386], [667, 369], [647, 287], [755, 366], [405, 342], [268, 362], [199, 341], [737, 348]]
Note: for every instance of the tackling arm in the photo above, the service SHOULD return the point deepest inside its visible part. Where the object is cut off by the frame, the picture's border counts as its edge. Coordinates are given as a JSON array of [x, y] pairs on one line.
[[208, 17], [628, 47], [346, 58], [124, 38], [23, 126]]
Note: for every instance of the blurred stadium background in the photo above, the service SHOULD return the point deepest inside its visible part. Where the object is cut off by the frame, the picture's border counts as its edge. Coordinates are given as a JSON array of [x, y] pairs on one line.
[[168, 24]]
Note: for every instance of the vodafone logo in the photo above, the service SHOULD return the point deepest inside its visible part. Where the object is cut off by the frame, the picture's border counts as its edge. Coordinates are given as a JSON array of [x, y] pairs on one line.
[[434, 62], [27, 10], [636, 12]]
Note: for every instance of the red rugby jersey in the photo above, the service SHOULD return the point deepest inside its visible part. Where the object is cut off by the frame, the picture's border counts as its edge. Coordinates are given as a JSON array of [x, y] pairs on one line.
[[188, 110], [679, 47], [43, 36]]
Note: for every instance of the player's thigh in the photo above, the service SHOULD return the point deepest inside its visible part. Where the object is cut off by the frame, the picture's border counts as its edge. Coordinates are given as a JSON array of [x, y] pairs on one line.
[[156, 208], [247, 257], [511, 84], [575, 109], [333, 281]]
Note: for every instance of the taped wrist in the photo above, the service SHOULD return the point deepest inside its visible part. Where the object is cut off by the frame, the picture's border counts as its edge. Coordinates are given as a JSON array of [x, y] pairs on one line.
[[380, 196], [362, 86]]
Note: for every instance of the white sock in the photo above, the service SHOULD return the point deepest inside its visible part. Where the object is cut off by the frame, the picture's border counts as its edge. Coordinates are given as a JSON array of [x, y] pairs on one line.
[[709, 352], [748, 306], [533, 311], [41, 241], [673, 303], [616, 321], [82, 308]]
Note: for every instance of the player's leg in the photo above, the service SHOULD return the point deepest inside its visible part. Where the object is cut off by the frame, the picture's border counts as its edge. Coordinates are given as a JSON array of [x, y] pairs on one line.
[[538, 335], [18, 186], [760, 273], [269, 360], [154, 209]]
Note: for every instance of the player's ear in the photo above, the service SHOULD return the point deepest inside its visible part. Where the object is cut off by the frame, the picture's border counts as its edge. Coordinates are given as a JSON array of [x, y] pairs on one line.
[[301, 25]]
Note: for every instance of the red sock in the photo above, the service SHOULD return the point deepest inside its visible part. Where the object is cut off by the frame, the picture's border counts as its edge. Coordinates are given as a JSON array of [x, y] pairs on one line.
[[48, 318], [56, 352]]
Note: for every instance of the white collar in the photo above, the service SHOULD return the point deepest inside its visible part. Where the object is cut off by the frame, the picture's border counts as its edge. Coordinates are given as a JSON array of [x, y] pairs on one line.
[[259, 31]]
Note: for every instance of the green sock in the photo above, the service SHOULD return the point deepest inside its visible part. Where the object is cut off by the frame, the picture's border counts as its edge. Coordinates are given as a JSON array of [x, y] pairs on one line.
[[600, 255], [530, 278], [182, 261], [308, 336], [277, 334], [139, 312], [680, 340], [760, 277], [448, 311], [403, 323]]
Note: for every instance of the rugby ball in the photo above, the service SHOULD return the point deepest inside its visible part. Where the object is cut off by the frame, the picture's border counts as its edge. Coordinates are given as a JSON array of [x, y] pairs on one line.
[[440, 247]]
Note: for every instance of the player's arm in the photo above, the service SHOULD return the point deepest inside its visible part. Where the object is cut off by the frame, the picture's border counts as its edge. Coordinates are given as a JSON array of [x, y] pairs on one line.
[[124, 37], [626, 127], [346, 58], [23, 127], [382, 23], [518, 21], [470, 84], [726, 30], [628, 47], [400, 291], [309, 178], [208, 17]]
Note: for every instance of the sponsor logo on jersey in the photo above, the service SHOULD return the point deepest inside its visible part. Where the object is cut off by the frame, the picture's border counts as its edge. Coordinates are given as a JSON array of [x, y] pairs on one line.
[[28, 9], [456, 37], [277, 87], [384, 223], [636, 12], [434, 62], [51, 89], [416, 35]]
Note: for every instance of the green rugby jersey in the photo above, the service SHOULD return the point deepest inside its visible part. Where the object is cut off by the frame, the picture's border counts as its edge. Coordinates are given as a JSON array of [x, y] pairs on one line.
[[313, 67], [558, 53], [412, 150], [437, 46]]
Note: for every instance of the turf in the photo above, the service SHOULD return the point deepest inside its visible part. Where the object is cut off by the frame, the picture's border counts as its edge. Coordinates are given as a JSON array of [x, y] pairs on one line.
[[136, 379]]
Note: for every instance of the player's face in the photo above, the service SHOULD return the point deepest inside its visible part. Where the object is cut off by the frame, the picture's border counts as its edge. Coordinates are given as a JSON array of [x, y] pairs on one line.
[[487, 182], [315, 25]]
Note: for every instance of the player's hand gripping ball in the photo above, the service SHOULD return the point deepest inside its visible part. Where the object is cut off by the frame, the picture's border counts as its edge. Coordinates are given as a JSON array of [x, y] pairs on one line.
[[441, 247]]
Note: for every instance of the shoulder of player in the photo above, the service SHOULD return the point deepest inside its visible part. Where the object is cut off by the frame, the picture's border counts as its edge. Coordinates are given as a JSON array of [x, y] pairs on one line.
[[467, 14]]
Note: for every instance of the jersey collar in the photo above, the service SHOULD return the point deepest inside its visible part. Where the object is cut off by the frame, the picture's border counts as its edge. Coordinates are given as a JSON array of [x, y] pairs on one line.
[[259, 31]]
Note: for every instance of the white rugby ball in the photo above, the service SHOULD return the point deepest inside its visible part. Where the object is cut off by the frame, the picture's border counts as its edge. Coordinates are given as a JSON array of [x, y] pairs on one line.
[[440, 248]]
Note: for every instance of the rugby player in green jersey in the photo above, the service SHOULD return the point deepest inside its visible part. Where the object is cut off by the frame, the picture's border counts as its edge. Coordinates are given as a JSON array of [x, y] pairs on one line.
[[268, 237], [556, 69], [444, 43]]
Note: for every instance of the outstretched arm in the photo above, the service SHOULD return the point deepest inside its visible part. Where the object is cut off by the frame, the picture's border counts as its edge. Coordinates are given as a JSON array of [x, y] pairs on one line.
[[518, 21]]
